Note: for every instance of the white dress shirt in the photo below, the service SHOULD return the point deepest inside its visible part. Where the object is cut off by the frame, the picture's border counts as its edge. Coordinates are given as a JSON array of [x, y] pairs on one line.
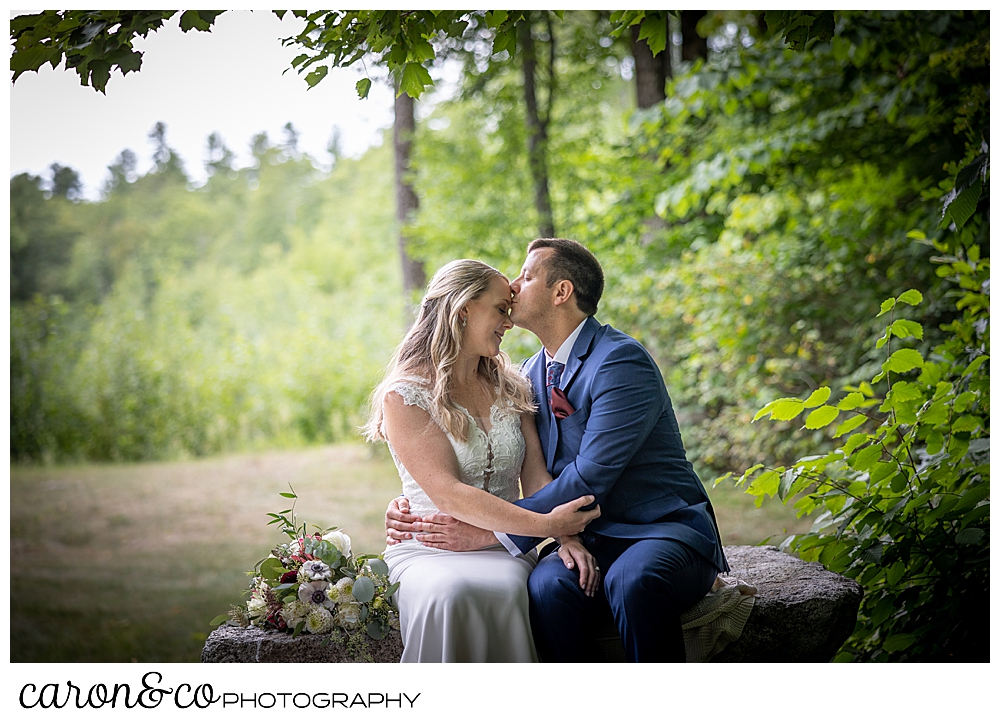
[[562, 356]]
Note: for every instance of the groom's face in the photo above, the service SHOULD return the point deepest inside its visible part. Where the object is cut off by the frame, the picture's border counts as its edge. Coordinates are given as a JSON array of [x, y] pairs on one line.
[[531, 298]]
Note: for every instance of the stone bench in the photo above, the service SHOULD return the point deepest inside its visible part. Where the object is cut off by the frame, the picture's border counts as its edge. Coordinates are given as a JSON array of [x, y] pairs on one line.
[[803, 614]]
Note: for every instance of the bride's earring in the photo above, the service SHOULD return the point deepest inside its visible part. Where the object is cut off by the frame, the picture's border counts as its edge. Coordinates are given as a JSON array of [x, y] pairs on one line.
[[462, 322]]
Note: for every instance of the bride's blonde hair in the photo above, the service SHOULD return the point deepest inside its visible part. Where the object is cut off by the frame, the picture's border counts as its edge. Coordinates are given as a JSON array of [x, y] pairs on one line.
[[431, 346]]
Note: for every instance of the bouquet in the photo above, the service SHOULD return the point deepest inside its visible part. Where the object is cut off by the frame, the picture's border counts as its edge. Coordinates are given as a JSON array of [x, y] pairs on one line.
[[313, 584]]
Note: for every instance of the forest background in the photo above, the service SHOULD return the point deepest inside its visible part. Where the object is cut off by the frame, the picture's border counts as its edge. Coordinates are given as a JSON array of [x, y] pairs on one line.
[[754, 207]]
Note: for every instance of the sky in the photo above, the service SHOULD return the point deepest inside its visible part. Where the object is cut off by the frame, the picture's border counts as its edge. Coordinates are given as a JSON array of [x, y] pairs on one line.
[[228, 81]]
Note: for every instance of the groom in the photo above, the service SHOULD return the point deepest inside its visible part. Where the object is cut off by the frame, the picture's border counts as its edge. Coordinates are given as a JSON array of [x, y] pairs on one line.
[[607, 429]]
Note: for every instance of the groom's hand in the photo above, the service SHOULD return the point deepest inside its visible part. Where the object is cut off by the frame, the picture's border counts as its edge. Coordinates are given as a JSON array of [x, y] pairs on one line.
[[444, 532], [399, 523], [575, 556]]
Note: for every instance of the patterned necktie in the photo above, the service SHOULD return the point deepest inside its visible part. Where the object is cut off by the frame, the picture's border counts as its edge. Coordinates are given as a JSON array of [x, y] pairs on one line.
[[558, 402], [553, 373]]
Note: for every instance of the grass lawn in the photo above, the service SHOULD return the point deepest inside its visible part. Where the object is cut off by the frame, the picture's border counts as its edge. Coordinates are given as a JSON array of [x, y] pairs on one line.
[[129, 562]]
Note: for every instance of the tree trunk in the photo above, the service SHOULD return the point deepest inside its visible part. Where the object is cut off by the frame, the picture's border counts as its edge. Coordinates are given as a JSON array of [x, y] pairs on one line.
[[403, 126], [651, 73], [537, 128], [693, 46]]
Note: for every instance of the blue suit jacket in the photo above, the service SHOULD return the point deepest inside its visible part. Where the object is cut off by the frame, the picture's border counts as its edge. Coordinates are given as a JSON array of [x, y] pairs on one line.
[[622, 445]]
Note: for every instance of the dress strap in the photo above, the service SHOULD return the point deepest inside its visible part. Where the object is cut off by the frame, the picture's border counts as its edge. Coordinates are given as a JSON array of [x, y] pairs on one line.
[[415, 392]]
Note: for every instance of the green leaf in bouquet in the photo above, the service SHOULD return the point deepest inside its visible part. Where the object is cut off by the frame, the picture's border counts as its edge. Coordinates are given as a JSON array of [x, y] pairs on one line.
[[348, 572], [363, 615], [391, 590], [272, 569], [378, 566], [298, 628], [218, 620], [289, 598], [364, 589], [285, 586], [327, 552], [375, 630]]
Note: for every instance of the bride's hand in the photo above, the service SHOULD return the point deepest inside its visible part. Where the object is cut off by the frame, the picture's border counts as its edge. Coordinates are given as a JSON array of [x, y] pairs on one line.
[[569, 519]]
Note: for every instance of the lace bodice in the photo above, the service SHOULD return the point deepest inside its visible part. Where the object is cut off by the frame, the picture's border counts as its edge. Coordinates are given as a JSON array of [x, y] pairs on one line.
[[488, 461]]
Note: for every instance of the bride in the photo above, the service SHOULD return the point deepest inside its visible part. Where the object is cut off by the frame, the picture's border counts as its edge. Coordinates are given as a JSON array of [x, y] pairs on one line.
[[459, 422]]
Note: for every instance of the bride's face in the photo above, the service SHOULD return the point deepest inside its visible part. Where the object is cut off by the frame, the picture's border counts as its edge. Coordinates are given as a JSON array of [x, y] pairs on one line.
[[488, 320]]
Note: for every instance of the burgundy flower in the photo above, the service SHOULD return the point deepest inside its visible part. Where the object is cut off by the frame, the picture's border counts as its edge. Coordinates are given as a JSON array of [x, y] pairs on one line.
[[290, 576], [277, 621]]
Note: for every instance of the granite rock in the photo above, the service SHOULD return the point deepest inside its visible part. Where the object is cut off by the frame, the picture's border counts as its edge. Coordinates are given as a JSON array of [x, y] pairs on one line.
[[233, 644], [803, 613]]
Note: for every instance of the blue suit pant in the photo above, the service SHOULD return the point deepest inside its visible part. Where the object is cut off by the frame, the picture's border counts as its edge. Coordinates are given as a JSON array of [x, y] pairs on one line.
[[646, 585]]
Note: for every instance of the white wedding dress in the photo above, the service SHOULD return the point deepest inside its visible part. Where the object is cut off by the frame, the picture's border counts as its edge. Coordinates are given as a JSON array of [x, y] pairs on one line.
[[464, 606]]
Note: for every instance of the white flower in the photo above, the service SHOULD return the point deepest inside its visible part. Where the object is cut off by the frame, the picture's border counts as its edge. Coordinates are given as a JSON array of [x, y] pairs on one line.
[[344, 591], [294, 612], [348, 615], [256, 607], [316, 570], [319, 620], [340, 540], [315, 592]]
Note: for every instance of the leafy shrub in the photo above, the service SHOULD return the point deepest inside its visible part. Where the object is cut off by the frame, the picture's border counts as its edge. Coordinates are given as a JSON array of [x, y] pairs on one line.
[[903, 503]]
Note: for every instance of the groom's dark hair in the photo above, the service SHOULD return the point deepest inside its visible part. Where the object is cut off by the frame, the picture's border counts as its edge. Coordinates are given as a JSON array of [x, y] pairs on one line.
[[575, 263]]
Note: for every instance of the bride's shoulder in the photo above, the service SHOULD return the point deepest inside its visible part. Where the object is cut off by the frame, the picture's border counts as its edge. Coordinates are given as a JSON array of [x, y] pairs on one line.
[[414, 391]]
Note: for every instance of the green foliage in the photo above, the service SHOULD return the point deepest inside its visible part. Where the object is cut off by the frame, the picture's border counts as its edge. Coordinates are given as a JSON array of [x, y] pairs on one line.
[[252, 312], [748, 224], [93, 43], [653, 27], [903, 504], [471, 160], [406, 41], [787, 184], [798, 27], [42, 234]]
